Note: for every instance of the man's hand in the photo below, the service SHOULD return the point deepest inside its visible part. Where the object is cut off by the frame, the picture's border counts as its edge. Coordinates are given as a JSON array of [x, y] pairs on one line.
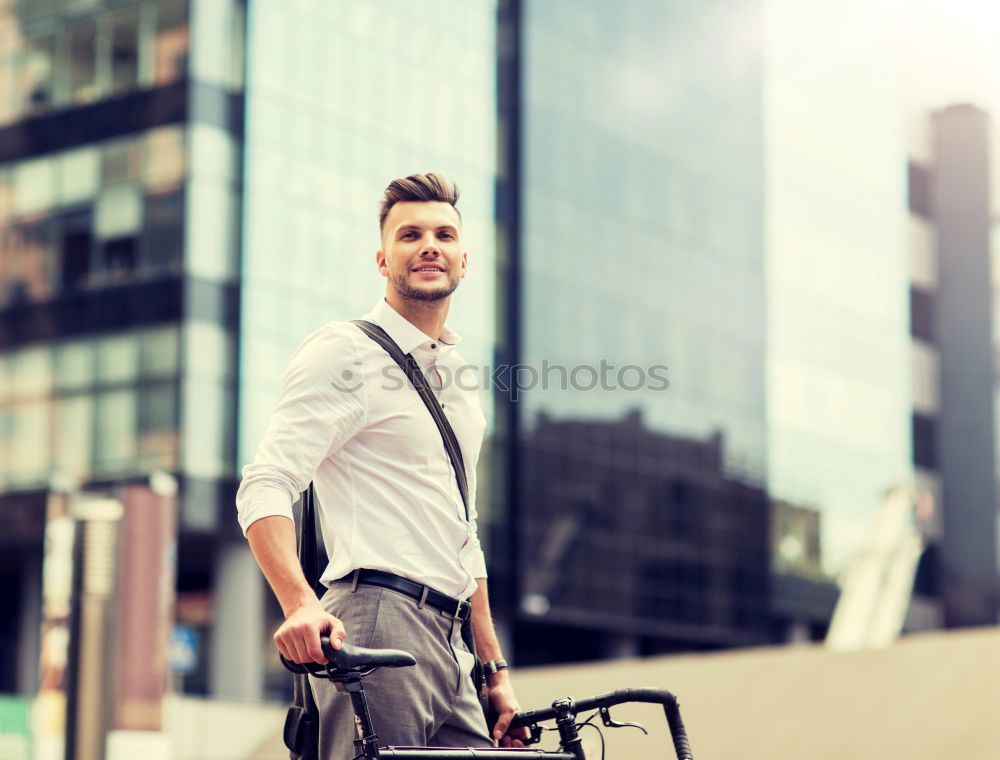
[[298, 637], [501, 696]]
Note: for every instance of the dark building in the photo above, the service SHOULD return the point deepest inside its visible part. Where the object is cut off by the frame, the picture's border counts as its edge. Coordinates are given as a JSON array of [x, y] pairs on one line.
[[637, 542], [953, 330]]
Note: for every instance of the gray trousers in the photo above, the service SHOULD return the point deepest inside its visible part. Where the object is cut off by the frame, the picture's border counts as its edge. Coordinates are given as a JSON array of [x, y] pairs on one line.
[[432, 704]]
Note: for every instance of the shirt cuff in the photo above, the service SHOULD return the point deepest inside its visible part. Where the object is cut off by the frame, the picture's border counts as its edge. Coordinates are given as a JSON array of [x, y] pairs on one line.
[[265, 501], [477, 564]]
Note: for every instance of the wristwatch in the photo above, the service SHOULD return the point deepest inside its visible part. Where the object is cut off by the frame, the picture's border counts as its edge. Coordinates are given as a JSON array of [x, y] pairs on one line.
[[494, 666]]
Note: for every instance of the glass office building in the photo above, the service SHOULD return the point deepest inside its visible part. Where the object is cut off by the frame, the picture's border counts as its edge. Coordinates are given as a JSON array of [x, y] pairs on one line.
[[838, 391], [643, 514], [119, 136]]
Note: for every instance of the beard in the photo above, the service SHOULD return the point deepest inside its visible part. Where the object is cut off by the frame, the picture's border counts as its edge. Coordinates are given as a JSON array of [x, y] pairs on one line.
[[401, 284]]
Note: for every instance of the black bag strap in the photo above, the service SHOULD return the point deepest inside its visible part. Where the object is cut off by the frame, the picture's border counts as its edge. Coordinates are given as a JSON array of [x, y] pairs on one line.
[[409, 365]]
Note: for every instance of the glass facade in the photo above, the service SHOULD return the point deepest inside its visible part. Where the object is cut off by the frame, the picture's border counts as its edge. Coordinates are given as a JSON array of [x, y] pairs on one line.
[[642, 268], [97, 215], [55, 55], [838, 390], [93, 409], [327, 129]]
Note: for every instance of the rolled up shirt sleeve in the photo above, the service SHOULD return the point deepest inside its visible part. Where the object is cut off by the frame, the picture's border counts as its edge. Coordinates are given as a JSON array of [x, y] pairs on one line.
[[317, 412]]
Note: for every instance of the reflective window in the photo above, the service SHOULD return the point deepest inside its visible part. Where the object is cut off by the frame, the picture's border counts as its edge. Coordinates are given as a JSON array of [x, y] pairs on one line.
[[31, 431], [97, 49], [78, 176], [164, 158], [27, 262], [118, 359], [36, 74], [124, 50], [78, 71], [118, 212], [170, 61], [121, 160], [34, 186], [75, 365], [116, 431], [158, 424], [158, 352], [163, 232], [75, 245], [30, 373], [73, 442]]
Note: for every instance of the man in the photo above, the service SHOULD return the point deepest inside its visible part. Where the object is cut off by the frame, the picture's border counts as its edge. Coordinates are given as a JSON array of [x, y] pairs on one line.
[[403, 556]]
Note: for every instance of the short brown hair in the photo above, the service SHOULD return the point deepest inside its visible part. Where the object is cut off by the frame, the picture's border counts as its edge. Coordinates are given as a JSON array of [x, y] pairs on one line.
[[418, 187]]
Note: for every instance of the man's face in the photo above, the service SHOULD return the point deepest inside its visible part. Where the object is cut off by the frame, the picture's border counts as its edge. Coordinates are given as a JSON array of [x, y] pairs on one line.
[[421, 253]]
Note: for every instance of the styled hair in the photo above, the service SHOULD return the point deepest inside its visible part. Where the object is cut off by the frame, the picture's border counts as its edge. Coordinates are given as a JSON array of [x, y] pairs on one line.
[[418, 187]]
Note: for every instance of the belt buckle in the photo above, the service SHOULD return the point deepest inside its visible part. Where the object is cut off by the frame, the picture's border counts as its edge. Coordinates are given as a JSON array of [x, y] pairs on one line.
[[457, 614]]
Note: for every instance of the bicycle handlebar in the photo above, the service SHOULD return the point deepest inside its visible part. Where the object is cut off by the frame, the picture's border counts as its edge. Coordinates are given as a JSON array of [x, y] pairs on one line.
[[671, 709]]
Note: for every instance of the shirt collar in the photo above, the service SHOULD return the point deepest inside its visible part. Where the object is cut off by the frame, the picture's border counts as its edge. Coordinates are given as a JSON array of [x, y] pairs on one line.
[[407, 335]]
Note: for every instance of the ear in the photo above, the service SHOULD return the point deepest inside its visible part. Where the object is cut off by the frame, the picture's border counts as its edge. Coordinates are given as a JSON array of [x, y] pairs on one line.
[[465, 262], [382, 263]]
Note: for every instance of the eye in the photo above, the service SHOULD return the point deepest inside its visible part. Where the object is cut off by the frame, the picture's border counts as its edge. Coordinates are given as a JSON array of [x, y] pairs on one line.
[[447, 235], [411, 233]]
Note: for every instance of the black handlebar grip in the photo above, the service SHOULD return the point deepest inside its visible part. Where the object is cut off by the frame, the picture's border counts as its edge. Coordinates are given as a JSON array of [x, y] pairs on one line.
[[312, 667]]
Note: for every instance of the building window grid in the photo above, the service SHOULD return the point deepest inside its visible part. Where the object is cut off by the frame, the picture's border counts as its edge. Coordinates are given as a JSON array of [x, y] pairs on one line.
[[68, 253], [61, 57], [151, 441]]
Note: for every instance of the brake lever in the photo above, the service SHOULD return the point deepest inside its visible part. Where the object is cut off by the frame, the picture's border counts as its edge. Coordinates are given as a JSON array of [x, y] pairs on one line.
[[612, 723], [536, 734]]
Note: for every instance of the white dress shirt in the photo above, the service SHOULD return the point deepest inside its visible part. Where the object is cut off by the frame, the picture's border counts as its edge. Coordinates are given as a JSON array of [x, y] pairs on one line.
[[349, 420]]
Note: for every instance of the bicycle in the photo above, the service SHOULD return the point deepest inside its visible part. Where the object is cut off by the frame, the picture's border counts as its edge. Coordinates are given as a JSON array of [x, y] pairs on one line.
[[348, 666]]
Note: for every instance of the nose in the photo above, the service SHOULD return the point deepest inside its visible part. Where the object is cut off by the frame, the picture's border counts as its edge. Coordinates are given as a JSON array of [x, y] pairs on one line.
[[430, 248]]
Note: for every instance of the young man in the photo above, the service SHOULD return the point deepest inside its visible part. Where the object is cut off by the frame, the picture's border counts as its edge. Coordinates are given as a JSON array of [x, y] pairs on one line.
[[403, 557]]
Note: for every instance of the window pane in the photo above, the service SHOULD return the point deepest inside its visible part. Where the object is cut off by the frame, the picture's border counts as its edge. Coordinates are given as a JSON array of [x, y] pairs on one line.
[[124, 50], [118, 258], [27, 270], [121, 161], [8, 86], [31, 433], [165, 157], [34, 186], [171, 41], [31, 373], [73, 439], [163, 233], [118, 359], [77, 176], [119, 212], [75, 365], [6, 195], [158, 425], [36, 73], [116, 439], [79, 67], [158, 352], [75, 241]]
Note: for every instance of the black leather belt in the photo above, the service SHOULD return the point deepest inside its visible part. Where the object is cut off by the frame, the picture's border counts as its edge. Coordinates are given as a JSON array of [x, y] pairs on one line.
[[446, 605]]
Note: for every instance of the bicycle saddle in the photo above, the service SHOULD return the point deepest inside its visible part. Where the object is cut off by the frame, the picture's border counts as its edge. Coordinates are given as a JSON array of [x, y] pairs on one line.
[[351, 659]]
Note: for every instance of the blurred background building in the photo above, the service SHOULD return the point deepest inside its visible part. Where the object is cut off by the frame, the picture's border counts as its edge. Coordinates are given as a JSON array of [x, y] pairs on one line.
[[189, 187]]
